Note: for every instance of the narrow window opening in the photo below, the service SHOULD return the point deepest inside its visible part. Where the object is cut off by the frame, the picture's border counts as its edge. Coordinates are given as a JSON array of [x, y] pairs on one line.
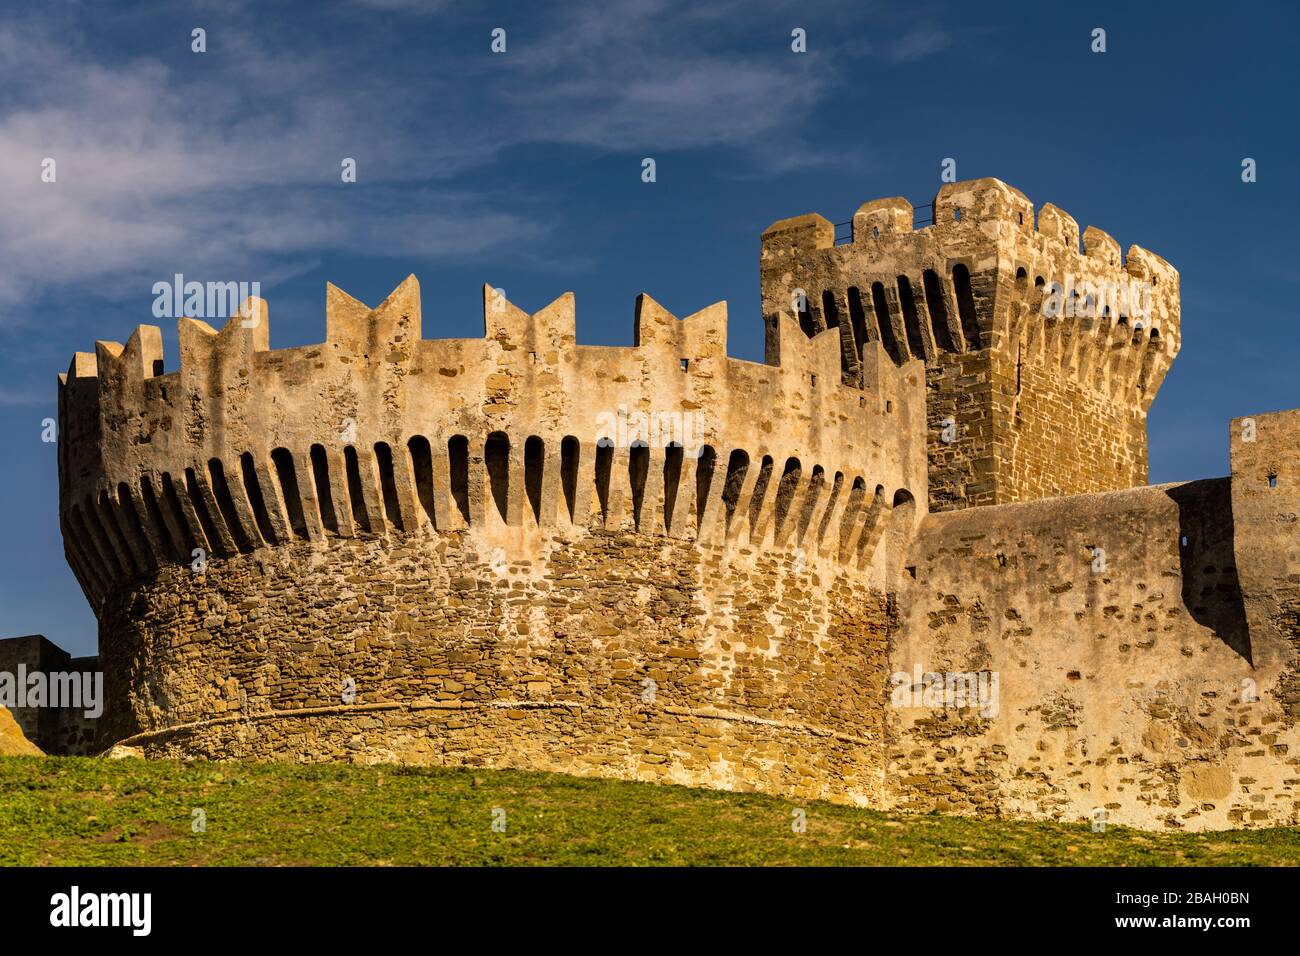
[[857, 496], [673, 456], [686, 365], [829, 310], [1272, 480], [226, 505], [388, 484], [320, 473], [287, 475], [570, 451], [253, 489], [737, 465], [534, 463], [422, 468], [966, 306], [883, 323], [638, 469], [127, 504], [172, 497], [356, 496], [108, 512], [458, 473], [604, 466], [911, 321], [815, 486], [938, 312], [760, 489], [836, 487], [805, 316], [98, 531], [785, 490], [156, 517], [704, 466], [857, 321], [496, 457], [201, 509]]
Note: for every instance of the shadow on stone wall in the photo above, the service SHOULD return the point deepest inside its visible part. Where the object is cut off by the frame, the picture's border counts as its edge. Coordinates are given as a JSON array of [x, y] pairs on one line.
[[1211, 590]]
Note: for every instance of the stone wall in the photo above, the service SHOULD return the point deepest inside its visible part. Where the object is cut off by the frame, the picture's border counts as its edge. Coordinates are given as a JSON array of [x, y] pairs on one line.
[[56, 730], [1266, 512], [1116, 626], [605, 653], [1057, 437], [378, 430]]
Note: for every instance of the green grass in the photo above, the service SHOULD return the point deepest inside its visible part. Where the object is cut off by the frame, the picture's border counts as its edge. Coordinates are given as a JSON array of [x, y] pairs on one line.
[[79, 811]]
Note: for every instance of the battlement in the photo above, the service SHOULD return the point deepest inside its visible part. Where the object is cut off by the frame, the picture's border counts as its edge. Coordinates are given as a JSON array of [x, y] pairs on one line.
[[1018, 318], [379, 432], [983, 226]]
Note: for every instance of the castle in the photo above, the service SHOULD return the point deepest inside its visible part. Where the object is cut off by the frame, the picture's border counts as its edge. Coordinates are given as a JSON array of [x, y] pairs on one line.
[[909, 561]]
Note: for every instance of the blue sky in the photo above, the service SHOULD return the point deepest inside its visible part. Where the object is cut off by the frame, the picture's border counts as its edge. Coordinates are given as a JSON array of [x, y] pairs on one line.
[[523, 170]]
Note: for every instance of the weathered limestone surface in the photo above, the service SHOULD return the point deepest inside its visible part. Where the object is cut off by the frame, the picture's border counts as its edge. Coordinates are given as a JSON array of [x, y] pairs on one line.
[[440, 524], [475, 552], [1134, 688], [1041, 406], [604, 653]]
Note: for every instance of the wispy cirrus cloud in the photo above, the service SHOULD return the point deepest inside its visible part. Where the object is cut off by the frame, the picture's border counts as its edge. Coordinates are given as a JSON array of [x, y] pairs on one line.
[[227, 162], [917, 44]]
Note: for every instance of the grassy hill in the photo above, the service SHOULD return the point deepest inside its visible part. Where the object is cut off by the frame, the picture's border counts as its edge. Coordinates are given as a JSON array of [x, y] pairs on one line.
[[77, 811]]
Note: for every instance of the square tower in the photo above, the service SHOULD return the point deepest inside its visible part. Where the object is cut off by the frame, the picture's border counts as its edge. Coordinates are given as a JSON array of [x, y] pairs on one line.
[[1041, 359]]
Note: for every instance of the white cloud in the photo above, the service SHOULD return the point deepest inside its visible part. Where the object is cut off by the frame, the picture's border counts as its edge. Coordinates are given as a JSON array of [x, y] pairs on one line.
[[227, 163]]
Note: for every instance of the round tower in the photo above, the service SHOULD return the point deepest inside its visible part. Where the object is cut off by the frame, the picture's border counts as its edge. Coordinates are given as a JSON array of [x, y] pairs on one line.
[[1041, 360], [652, 562]]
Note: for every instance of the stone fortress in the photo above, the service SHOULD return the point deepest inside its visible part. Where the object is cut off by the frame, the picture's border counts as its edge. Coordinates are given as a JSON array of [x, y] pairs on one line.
[[910, 561]]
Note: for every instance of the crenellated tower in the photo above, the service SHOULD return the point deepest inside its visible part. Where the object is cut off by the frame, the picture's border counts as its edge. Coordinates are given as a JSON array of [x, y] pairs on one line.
[[1042, 359], [498, 543], [379, 432]]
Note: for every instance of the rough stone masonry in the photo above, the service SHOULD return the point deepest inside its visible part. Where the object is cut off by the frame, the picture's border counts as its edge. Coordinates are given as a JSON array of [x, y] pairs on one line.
[[501, 552]]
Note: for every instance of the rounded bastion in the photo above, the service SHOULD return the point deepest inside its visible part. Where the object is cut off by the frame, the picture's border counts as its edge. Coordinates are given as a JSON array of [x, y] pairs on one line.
[[652, 561]]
